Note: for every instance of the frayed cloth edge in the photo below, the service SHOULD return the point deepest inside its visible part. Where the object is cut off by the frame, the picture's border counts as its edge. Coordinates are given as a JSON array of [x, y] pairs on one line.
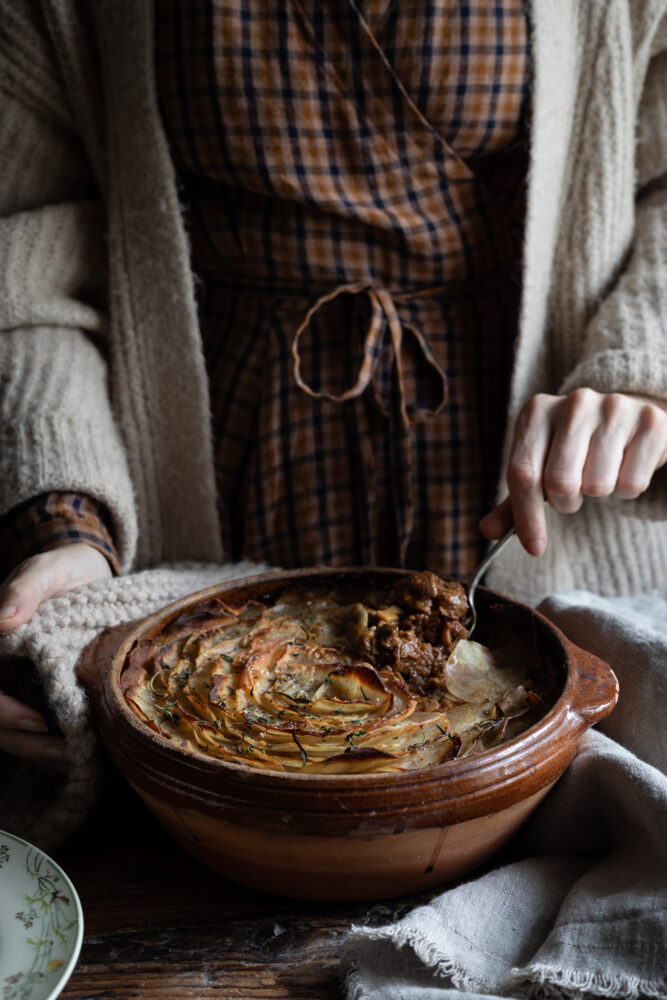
[[582, 983], [352, 988], [551, 984], [428, 954]]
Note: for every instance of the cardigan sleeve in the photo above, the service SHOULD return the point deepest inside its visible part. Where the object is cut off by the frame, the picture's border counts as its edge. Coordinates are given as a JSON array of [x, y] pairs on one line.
[[625, 343], [57, 430]]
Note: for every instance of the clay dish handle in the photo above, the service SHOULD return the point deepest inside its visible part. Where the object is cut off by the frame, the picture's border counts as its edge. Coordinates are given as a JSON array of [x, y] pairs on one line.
[[594, 685], [97, 657]]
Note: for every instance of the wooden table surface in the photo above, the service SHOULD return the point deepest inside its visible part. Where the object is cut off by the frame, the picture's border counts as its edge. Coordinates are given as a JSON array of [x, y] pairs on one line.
[[160, 926]]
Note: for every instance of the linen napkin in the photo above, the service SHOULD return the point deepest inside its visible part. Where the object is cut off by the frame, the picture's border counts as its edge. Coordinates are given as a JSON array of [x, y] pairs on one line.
[[37, 806], [579, 908]]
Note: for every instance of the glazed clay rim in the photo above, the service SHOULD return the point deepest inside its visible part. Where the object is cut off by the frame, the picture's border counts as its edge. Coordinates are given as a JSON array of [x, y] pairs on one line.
[[550, 744]]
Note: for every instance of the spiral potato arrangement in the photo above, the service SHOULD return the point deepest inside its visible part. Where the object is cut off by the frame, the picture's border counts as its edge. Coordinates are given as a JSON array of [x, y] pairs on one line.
[[283, 687]]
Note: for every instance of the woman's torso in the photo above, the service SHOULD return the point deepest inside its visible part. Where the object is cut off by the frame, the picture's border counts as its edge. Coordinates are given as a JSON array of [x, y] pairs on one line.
[[379, 153]]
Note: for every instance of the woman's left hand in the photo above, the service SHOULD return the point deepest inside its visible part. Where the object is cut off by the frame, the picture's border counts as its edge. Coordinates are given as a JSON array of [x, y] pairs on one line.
[[567, 447]]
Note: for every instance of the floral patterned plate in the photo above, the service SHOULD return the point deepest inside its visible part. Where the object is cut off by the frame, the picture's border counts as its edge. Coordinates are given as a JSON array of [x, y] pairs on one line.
[[41, 923]]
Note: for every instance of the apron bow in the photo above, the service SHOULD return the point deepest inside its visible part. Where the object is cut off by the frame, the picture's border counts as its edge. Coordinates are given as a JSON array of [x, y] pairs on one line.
[[384, 318]]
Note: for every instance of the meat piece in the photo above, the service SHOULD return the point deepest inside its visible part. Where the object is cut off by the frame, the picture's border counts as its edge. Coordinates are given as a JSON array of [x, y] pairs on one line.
[[425, 593], [425, 624]]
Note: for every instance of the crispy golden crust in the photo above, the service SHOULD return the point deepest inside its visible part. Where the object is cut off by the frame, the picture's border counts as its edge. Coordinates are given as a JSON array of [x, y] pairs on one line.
[[322, 682]]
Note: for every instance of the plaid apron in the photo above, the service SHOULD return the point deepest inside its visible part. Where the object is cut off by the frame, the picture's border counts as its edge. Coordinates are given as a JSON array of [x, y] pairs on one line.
[[353, 177]]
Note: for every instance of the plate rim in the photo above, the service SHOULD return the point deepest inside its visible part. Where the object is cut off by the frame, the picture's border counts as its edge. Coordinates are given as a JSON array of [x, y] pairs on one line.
[[68, 968]]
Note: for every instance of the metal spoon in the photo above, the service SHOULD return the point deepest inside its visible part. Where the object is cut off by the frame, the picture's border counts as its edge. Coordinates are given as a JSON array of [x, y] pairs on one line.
[[479, 573]]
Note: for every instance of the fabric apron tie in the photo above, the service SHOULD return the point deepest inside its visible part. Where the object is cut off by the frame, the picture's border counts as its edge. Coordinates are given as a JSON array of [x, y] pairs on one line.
[[384, 317]]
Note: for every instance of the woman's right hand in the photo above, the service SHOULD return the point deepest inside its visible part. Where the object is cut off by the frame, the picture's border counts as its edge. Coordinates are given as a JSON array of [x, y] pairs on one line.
[[23, 730]]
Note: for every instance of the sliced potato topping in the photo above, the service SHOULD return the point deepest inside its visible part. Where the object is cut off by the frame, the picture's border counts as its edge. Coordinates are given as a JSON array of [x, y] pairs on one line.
[[294, 686]]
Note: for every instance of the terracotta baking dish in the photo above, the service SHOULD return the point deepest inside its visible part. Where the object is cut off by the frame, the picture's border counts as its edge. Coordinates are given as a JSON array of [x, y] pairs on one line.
[[348, 837]]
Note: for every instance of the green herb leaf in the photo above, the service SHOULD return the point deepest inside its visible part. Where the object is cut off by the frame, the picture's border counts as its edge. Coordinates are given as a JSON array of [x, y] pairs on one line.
[[304, 755]]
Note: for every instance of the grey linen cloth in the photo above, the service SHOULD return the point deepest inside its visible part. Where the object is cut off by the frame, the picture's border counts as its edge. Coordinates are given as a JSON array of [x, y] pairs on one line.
[[578, 908]]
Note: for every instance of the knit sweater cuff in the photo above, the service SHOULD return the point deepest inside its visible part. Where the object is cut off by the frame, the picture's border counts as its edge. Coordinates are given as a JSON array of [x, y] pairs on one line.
[[621, 371], [61, 452]]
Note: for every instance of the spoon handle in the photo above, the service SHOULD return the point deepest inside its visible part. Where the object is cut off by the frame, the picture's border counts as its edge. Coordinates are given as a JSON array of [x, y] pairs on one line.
[[490, 555]]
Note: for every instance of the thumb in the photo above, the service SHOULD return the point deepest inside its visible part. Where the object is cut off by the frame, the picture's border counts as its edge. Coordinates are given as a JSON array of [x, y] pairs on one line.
[[46, 575], [498, 521]]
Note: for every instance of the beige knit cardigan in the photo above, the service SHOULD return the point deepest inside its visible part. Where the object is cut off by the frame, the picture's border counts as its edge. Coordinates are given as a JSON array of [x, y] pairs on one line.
[[103, 386]]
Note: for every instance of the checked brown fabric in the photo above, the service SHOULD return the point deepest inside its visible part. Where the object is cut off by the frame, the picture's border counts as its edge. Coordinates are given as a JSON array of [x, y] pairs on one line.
[[51, 521], [353, 177]]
